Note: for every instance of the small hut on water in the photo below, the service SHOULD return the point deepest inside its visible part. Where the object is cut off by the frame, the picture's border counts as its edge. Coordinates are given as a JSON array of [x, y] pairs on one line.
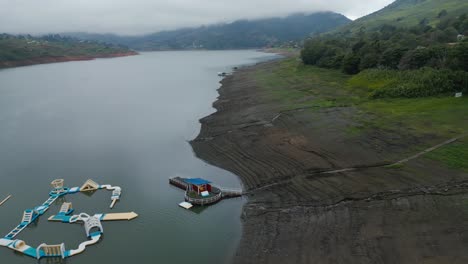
[[200, 186], [201, 192]]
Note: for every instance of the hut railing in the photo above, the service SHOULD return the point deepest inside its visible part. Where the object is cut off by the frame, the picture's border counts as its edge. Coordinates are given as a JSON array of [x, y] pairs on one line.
[[203, 201]]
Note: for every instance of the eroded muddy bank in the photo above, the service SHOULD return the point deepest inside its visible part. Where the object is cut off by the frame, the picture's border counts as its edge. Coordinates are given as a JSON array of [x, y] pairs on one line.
[[414, 214]]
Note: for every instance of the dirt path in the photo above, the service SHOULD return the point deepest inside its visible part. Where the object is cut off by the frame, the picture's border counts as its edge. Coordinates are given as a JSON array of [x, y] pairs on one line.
[[417, 155], [303, 207]]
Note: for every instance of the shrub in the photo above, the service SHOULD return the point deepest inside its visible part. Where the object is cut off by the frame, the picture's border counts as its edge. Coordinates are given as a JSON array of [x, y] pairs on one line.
[[411, 83]]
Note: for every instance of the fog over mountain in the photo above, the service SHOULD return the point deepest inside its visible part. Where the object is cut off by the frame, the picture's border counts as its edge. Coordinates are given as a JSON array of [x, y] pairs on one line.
[[133, 17]]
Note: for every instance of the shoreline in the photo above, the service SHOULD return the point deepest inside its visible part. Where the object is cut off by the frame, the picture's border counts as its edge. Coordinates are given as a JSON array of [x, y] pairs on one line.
[[296, 214], [47, 60]]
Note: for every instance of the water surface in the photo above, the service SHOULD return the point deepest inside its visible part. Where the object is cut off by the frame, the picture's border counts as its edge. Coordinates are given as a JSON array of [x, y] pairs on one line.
[[125, 122]]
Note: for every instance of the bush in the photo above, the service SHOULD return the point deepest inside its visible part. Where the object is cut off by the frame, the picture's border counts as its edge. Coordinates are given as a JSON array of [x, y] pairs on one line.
[[313, 52], [411, 83], [351, 64]]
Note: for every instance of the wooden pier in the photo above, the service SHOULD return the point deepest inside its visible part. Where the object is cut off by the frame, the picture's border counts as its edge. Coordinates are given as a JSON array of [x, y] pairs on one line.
[[231, 192], [178, 182]]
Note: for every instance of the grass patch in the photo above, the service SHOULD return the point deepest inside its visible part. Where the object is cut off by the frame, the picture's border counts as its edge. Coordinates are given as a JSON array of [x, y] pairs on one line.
[[423, 82], [454, 155], [444, 116], [292, 85]]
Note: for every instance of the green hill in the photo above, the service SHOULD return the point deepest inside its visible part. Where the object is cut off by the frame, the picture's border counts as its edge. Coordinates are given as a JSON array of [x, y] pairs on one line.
[[409, 13], [236, 35], [28, 50], [411, 48], [400, 75]]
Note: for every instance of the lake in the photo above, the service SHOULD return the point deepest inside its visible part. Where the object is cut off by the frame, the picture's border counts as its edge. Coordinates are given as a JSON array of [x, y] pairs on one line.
[[125, 122]]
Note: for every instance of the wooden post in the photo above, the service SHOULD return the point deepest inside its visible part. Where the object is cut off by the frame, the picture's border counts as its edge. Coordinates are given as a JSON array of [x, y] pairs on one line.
[[4, 200]]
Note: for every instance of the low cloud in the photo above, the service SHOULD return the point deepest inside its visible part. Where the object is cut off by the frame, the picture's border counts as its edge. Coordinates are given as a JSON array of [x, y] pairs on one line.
[[134, 17]]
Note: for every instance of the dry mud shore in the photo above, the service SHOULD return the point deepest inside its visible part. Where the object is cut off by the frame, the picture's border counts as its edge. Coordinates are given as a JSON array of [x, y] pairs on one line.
[[298, 213]]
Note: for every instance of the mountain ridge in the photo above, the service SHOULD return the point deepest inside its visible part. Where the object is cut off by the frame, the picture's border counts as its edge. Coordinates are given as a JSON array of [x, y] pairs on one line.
[[238, 34]]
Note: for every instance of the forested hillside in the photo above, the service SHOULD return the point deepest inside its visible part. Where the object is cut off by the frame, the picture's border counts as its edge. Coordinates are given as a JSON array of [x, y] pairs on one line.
[[407, 13], [27, 50], [411, 59], [236, 35]]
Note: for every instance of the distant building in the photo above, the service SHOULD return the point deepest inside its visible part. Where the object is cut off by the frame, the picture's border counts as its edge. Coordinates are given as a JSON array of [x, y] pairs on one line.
[[460, 37]]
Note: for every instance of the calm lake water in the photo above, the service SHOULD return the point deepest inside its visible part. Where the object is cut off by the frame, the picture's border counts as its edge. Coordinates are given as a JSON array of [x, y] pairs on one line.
[[125, 122]]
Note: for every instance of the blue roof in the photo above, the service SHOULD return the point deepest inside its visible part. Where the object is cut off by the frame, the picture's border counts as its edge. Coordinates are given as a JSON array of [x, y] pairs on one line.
[[197, 181]]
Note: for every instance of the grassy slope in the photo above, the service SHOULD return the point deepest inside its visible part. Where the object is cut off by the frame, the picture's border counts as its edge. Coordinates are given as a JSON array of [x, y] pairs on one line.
[[442, 116], [454, 156], [294, 86], [17, 49], [407, 13]]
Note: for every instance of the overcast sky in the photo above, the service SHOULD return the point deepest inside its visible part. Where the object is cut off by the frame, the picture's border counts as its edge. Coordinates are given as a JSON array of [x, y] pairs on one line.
[[132, 17]]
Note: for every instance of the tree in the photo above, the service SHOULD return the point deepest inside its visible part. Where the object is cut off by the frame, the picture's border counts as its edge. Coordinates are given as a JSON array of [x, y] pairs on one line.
[[368, 61], [424, 21], [392, 56], [312, 52], [460, 81], [442, 13], [351, 63], [415, 59], [331, 60], [458, 57]]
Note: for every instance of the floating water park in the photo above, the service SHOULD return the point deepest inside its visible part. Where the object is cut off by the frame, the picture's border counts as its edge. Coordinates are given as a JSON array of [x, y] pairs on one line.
[[198, 192], [91, 223], [201, 192]]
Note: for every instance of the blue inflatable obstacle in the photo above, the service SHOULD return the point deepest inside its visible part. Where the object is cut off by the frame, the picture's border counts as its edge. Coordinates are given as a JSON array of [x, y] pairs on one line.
[[92, 224]]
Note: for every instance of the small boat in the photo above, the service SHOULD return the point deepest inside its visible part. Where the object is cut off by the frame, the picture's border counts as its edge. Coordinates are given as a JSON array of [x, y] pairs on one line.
[[222, 74]]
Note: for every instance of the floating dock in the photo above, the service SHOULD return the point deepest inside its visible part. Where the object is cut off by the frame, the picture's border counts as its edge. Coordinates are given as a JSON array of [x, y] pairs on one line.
[[102, 217], [186, 205], [64, 216], [196, 189]]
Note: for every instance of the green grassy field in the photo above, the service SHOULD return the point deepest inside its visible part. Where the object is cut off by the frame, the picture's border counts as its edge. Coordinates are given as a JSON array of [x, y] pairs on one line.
[[293, 85], [443, 116], [454, 156]]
